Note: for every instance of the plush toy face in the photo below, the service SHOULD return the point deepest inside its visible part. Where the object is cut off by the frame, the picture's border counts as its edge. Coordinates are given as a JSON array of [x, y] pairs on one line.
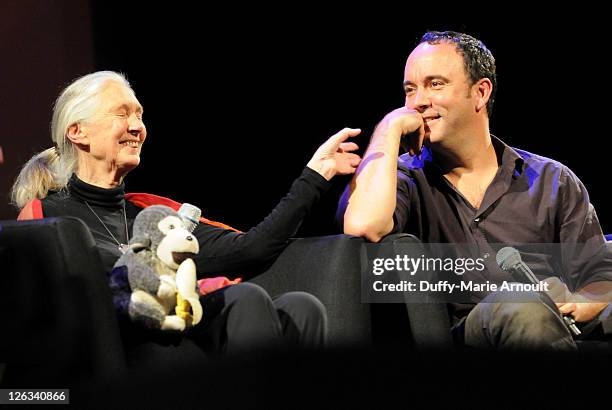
[[161, 276], [177, 244]]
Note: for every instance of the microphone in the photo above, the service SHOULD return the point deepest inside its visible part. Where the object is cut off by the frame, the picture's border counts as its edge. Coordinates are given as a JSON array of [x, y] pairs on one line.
[[509, 260], [190, 215]]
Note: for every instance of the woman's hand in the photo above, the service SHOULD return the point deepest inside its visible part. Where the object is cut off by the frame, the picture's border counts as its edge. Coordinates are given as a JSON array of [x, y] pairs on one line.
[[335, 156]]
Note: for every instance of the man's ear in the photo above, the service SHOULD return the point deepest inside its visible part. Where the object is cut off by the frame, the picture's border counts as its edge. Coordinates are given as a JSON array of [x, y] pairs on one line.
[[76, 134], [483, 89]]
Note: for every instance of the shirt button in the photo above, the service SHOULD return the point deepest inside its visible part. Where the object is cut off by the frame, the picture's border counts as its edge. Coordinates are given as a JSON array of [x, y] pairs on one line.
[[477, 220]]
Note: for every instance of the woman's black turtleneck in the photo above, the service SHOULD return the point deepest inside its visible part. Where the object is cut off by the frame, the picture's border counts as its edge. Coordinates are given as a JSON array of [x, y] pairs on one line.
[[106, 203], [222, 252]]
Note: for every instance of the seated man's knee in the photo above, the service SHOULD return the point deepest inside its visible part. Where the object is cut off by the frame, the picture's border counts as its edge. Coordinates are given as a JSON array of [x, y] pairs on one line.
[[531, 323], [528, 309]]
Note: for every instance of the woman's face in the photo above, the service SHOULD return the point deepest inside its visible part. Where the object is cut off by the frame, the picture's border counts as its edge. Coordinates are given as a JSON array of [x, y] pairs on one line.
[[116, 132]]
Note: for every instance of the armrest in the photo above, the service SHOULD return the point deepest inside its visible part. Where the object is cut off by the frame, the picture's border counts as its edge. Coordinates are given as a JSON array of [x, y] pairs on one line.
[[57, 314], [328, 267]]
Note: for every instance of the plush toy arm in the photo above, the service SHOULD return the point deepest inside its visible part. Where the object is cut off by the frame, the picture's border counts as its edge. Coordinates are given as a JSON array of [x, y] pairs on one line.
[[141, 275], [167, 288]]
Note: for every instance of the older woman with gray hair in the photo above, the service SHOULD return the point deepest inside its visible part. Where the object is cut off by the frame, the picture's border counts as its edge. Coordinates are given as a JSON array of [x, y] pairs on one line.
[[98, 134]]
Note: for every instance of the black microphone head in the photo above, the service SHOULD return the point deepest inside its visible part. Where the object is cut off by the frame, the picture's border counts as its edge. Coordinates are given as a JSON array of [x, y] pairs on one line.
[[508, 257]]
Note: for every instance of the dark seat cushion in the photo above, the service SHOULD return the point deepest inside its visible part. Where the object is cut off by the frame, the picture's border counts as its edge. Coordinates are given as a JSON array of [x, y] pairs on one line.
[[56, 307]]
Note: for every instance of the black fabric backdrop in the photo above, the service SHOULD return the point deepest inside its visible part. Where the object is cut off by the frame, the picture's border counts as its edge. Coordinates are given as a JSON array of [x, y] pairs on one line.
[[237, 100]]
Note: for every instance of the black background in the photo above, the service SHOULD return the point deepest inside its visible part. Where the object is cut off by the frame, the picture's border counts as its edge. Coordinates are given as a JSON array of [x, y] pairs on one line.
[[237, 102], [237, 98]]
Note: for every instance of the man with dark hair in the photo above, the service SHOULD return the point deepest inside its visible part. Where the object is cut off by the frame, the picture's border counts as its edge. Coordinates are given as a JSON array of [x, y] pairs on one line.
[[478, 61], [461, 184]]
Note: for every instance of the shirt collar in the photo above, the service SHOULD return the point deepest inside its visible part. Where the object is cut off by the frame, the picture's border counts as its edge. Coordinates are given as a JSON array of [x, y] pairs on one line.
[[111, 197], [511, 161]]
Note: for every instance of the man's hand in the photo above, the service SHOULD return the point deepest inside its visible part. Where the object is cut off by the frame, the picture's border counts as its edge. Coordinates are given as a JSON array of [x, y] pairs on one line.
[[335, 156], [409, 123], [588, 302], [582, 311], [580, 307]]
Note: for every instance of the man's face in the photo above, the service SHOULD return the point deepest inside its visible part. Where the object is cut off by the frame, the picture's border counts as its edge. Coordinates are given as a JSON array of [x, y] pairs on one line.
[[116, 132], [437, 86]]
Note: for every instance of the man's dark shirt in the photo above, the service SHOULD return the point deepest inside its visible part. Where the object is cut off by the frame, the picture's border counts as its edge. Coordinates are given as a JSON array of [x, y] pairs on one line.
[[532, 199]]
